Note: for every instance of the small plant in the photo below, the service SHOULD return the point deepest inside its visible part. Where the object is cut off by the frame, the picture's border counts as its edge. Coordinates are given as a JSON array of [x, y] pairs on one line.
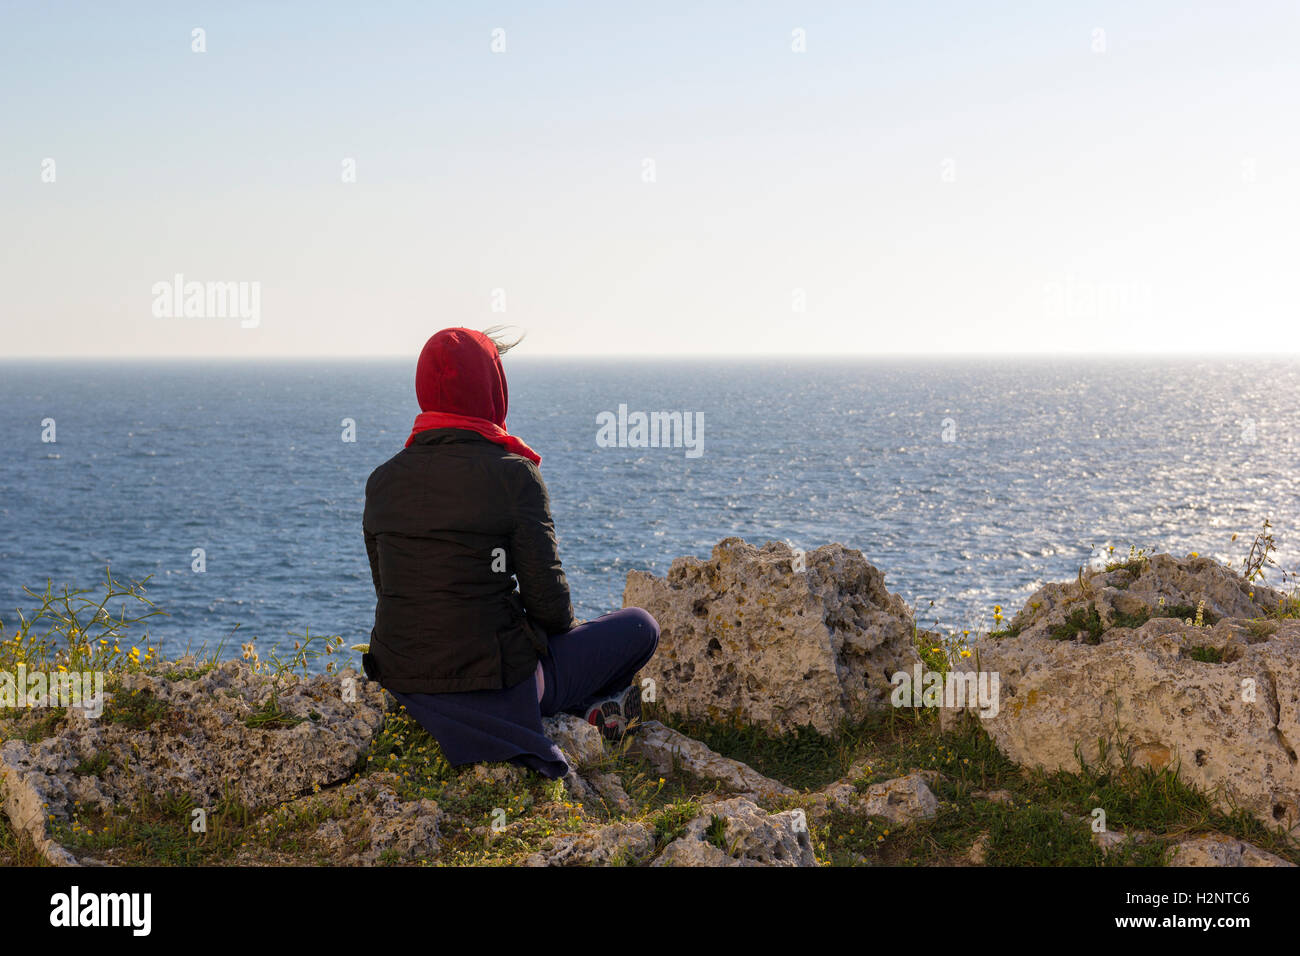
[[1190, 614], [1134, 564], [670, 822], [136, 709], [1012, 630], [92, 766], [282, 670], [78, 629], [1080, 623], [1259, 558], [1260, 555], [998, 631], [270, 716], [716, 833], [1134, 620], [1261, 629], [44, 726], [1204, 654], [1199, 619]]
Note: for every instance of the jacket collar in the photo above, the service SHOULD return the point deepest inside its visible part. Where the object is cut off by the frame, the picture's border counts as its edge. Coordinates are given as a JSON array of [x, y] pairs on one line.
[[444, 436]]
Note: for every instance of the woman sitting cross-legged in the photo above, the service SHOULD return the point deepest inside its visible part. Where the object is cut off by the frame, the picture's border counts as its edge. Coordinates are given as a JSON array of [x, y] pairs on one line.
[[451, 523]]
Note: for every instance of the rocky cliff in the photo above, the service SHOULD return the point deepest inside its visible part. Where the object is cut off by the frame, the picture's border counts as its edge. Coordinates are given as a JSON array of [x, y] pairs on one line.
[[772, 739]]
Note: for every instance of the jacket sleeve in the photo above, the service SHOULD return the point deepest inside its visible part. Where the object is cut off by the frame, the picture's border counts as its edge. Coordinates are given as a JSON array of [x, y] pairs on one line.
[[372, 543], [372, 552], [535, 554]]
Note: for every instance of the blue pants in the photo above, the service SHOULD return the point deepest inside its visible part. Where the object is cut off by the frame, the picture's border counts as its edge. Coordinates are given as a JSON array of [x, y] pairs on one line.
[[597, 659], [594, 660]]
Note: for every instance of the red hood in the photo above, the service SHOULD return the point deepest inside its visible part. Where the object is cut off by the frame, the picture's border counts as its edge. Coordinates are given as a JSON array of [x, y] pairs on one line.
[[459, 383], [460, 373]]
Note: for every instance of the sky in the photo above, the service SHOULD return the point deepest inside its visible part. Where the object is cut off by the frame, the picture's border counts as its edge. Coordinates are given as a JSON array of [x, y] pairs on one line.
[[666, 179]]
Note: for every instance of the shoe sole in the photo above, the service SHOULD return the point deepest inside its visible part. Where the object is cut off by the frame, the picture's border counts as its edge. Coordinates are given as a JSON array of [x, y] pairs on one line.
[[614, 718]]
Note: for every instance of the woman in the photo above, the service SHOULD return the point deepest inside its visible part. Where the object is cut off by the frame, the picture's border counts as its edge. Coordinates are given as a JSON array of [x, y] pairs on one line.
[[451, 523]]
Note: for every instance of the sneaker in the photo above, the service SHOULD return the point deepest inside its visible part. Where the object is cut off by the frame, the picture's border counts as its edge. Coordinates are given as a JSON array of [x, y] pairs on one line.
[[617, 715]]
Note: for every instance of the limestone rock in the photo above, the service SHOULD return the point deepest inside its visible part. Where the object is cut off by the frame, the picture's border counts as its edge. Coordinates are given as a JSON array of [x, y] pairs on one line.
[[901, 801], [614, 843], [611, 791], [1220, 703], [750, 837], [1218, 849], [745, 633], [1107, 840], [665, 748], [579, 789], [370, 824], [192, 738], [580, 742], [1155, 587]]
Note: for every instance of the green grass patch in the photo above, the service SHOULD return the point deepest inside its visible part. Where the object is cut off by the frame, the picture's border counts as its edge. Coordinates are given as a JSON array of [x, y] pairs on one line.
[[136, 709], [803, 758], [1081, 623], [16, 849], [670, 822], [1136, 620], [716, 832], [92, 766], [33, 725], [270, 716]]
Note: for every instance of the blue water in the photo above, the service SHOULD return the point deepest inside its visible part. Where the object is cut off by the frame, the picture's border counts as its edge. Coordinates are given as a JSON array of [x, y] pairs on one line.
[[1051, 458]]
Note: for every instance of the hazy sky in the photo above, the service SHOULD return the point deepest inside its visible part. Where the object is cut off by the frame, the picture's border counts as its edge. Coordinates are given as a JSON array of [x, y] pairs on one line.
[[926, 178]]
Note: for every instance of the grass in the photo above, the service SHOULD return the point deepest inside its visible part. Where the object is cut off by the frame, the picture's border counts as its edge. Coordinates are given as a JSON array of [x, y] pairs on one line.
[[270, 716], [1080, 623], [159, 830], [1086, 622], [136, 709], [1030, 830], [33, 724], [803, 758], [16, 849], [716, 832], [92, 766]]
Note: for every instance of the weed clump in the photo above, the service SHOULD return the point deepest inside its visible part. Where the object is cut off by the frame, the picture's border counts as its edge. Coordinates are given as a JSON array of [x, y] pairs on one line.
[[1080, 623]]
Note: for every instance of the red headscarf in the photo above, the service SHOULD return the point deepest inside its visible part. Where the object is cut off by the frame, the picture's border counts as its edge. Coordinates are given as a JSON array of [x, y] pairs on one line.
[[459, 383]]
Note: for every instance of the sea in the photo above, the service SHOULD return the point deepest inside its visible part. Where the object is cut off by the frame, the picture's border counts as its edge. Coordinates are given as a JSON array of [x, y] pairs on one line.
[[234, 490]]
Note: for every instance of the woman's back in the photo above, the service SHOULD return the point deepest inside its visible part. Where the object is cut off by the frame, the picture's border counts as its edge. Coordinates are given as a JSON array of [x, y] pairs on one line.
[[450, 522]]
